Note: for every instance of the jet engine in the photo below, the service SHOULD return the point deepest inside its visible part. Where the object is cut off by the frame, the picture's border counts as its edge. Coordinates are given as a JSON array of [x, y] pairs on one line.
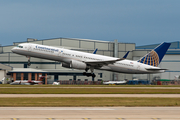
[[66, 65], [78, 65], [75, 64]]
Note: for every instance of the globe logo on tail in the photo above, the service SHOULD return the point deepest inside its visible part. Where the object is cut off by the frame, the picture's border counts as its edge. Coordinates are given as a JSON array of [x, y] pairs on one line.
[[151, 58]]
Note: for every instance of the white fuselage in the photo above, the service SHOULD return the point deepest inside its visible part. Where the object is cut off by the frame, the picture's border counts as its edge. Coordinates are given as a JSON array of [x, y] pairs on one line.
[[25, 82], [115, 82], [66, 56]]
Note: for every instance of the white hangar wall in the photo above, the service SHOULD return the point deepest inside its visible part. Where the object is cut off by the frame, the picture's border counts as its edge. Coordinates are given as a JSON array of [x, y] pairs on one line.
[[172, 63]]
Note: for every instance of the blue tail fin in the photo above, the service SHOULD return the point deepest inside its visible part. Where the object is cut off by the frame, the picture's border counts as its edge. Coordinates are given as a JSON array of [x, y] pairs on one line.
[[94, 52], [155, 56], [125, 56]]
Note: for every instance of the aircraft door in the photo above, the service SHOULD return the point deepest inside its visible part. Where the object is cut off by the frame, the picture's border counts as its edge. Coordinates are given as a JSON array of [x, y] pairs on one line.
[[138, 66], [60, 52]]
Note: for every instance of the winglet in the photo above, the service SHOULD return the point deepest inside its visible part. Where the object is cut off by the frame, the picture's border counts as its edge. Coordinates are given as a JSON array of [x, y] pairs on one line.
[[125, 56], [95, 51]]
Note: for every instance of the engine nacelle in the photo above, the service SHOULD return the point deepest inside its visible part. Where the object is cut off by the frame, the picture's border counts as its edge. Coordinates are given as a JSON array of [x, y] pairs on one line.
[[75, 64], [78, 65], [66, 65]]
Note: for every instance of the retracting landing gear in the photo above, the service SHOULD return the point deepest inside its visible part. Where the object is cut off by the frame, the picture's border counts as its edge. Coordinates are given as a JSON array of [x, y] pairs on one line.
[[89, 74]]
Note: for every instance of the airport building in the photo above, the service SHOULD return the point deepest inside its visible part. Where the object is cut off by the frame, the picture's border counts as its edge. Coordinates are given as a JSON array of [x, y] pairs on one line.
[[15, 66]]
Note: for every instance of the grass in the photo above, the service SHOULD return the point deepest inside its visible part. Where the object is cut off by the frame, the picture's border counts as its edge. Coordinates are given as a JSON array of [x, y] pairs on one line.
[[81, 101], [87, 102], [87, 91]]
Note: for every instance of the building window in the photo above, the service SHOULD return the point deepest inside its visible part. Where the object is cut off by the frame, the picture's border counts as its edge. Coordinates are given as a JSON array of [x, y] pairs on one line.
[[43, 74], [33, 76], [18, 76], [25, 76], [100, 74]]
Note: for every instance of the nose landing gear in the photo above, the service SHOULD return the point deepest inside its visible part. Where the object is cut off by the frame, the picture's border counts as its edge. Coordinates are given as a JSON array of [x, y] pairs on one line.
[[29, 62]]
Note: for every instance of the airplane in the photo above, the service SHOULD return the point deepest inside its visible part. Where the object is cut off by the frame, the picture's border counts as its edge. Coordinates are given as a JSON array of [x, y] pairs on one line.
[[28, 82], [89, 61], [115, 82], [3, 79]]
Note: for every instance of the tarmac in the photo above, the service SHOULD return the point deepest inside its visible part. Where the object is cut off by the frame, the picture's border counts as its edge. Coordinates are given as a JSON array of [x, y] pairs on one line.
[[89, 113]]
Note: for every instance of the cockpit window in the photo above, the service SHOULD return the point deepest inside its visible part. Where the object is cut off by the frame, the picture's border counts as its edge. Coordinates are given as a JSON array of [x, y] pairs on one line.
[[20, 46]]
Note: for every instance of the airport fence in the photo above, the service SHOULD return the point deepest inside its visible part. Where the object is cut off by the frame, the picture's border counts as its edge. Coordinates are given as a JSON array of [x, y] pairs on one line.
[[171, 82], [130, 82], [154, 82], [138, 82]]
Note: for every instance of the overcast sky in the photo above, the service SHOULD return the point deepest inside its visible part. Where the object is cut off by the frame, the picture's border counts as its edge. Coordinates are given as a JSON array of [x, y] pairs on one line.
[[131, 21]]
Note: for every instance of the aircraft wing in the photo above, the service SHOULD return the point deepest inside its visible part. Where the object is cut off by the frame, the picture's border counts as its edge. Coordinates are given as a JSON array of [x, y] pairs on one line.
[[101, 63]]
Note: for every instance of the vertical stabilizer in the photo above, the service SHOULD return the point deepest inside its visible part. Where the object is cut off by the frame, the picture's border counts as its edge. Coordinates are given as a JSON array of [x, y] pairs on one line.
[[154, 57]]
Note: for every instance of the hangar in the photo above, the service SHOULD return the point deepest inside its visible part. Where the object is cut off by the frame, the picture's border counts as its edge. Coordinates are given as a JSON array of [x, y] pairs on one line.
[[53, 70]]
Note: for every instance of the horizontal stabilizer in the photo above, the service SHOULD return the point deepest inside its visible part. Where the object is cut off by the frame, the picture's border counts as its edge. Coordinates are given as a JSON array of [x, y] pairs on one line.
[[155, 69]]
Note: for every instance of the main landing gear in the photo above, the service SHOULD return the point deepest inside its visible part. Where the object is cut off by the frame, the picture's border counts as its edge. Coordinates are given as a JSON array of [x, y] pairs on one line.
[[89, 74]]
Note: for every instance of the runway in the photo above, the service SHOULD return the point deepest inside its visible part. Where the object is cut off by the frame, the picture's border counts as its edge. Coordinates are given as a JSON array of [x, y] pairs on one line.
[[89, 113], [93, 95]]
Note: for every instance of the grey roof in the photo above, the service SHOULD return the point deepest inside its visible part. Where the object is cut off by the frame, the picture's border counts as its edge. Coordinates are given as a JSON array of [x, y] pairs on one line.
[[27, 70], [174, 49], [174, 45], [5, 67]]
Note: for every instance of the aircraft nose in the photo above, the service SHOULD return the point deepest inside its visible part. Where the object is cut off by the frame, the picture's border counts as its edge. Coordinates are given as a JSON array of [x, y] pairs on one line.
[[13, 49]]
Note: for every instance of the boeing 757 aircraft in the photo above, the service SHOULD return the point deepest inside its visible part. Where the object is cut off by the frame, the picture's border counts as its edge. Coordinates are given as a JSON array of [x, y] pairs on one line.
[[89, 61]]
